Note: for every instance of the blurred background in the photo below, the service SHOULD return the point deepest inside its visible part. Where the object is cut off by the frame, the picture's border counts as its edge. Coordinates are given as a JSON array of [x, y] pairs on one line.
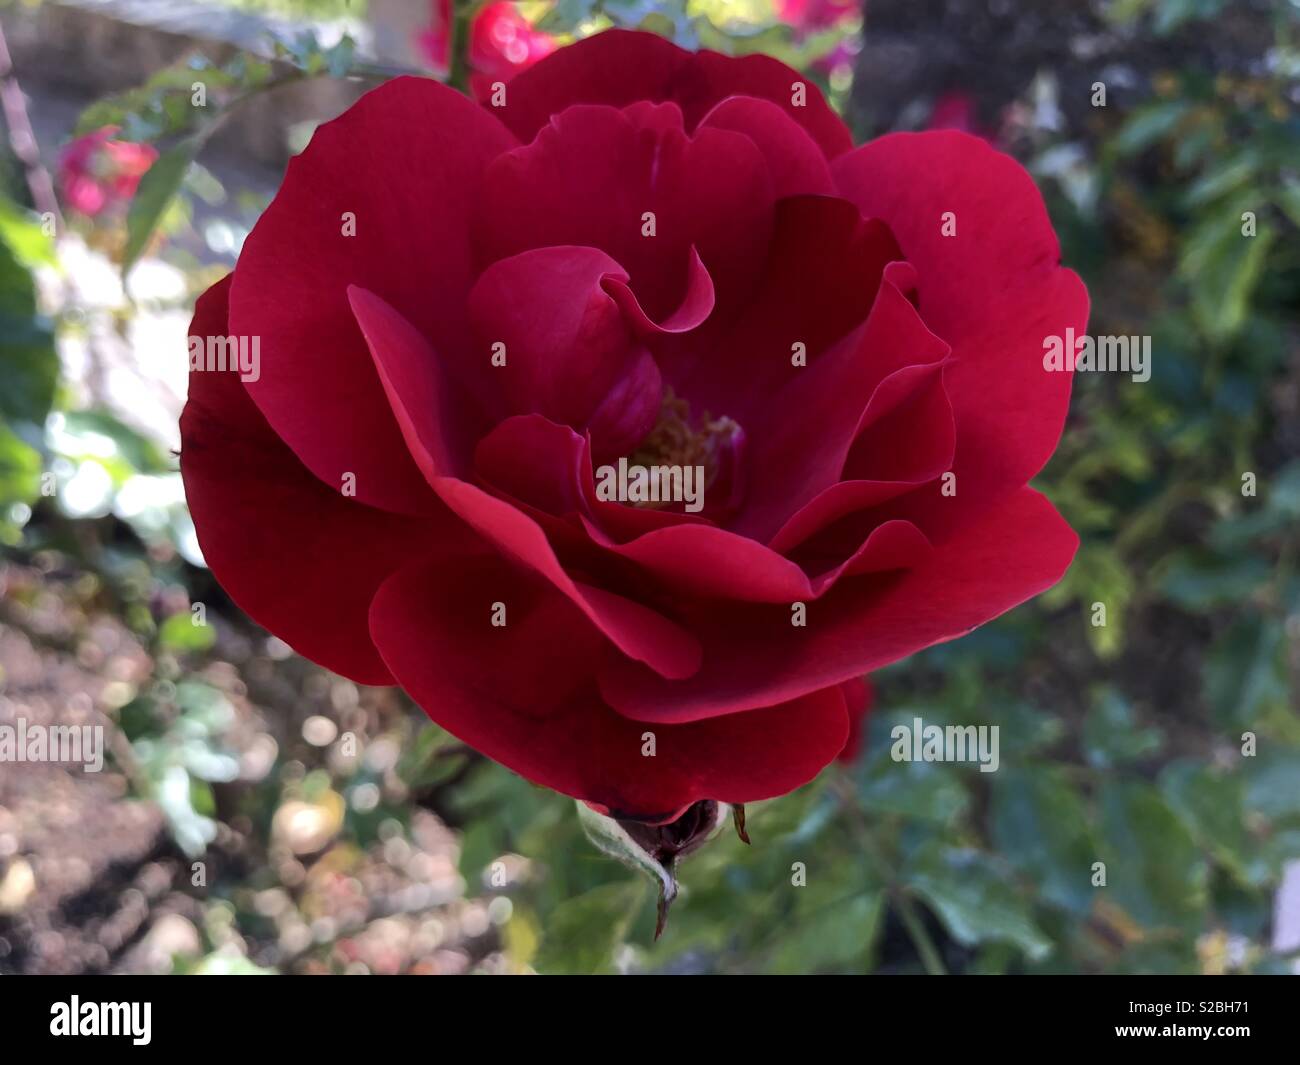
[[257, 814]]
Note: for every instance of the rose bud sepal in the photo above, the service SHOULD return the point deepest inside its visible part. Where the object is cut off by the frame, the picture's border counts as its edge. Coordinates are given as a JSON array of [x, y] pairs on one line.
[[655, 849]]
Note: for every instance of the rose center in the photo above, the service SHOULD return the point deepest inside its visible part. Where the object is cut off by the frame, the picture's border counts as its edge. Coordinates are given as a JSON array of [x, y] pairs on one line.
[[711, 446]]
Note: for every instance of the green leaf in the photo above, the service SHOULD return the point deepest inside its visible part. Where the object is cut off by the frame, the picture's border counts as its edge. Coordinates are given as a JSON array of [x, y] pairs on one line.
[[1171, 14], [29, 365], [929, 791], [1040, 825], [179, 633], [142, 112], [426, 762], [1222, 267], [1150, 124], [1211, 805], [22, 233], [1155, 871], [1273, 783], [1245, 673], [974, 899], [1198, 581], [155, 193], [1226, 176], [583, 933], [339, 58], [1112, 734], [481, 843], [1099, 575], [564, 16], [838, 934], [1025, 728], [1287, 197], [20, 469], [1123, 12], [142, 453], [1279, 513]]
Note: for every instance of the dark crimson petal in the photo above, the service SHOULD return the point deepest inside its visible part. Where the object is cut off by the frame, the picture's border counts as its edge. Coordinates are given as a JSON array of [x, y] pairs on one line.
[[700, 561], [566, 325], [524, 695], [593, 174], [858, 697], [411, 248], [565, 337], [696, 305], [994, 291], [609, 522], [536, 462], [622, 67], [300, 558], [907, 429], [629, 410], [890, 546], [541, 468], [796, 164], [432, 411], [844, 499], [801, 443], [703, 561], [818, 281], [754, 656], [638, 631], [906, 439]]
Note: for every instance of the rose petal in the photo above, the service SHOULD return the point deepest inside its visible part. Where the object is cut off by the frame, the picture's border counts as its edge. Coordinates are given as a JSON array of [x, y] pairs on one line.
[[430, 409], [298, 557], [753, 655], [411, 248], [994, 291], [566, 340], [796, 164], [858, 697], [801, 444], [593, 177], [622, 67], [637, 630], [817, 283], [697, 302], [700, 562], [524, 695]]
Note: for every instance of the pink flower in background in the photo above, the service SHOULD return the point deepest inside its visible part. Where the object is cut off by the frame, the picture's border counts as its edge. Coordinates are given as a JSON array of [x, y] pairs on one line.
[[502, 41], [808, 15], [96, 172]]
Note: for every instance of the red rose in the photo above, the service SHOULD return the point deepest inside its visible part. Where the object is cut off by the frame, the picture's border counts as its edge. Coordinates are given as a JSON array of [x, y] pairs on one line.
[[862, 395]]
